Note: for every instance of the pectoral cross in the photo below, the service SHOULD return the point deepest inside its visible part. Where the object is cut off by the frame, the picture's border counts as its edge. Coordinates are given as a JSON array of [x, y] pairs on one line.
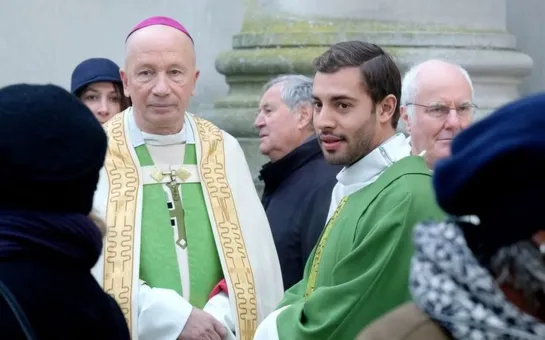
[[175, 207]]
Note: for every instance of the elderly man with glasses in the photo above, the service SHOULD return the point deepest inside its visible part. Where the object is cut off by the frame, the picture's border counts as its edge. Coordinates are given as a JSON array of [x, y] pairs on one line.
[[436, 104]]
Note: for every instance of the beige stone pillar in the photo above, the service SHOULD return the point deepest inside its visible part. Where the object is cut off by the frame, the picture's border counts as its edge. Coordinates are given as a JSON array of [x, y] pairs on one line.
[[284, 36]]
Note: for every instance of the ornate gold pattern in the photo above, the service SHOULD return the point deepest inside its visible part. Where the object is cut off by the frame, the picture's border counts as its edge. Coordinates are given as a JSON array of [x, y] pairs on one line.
[[120, 217], [158, 175], [214, 178], [311, 284], [183, 174]]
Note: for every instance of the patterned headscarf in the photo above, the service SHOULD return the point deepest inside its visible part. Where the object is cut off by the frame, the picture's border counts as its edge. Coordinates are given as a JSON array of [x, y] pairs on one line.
[[449, 284], [496, 173]]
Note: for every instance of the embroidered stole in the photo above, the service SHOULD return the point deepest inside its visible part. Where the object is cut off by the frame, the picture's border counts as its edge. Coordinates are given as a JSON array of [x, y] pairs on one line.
[[311, 284]]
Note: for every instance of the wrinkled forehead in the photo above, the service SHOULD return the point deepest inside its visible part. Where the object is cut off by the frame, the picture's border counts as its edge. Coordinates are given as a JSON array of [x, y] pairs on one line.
[[448, 88], [272, 95]]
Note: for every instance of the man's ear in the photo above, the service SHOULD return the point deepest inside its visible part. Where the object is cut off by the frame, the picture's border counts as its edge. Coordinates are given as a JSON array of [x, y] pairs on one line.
[[387, 108], [125, 81], [197, 74], [405, 118], [304, 116]]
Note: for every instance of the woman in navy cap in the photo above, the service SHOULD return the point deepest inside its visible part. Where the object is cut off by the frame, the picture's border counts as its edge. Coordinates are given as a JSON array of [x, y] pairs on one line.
[[97, 83]]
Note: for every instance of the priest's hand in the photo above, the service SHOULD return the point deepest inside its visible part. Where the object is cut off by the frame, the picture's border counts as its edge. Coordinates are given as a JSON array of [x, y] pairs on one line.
[[202, 325]]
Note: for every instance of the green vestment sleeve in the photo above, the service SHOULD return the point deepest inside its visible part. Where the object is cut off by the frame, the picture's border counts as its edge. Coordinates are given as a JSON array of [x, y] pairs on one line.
[[296, 291], [371, 279]]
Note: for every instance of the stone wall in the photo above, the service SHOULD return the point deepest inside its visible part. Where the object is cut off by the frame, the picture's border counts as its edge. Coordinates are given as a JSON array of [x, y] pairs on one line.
[[281, 36]]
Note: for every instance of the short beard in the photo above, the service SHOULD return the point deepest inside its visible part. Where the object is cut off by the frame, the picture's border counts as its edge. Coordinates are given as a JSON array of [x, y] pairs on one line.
[[358, 146]]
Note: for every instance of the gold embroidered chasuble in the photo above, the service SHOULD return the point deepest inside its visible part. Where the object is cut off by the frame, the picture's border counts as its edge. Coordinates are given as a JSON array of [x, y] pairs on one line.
[[241, 231]]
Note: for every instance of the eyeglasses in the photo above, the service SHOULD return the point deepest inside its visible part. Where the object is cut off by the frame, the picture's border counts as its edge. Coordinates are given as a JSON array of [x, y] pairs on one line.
[[442, 111]]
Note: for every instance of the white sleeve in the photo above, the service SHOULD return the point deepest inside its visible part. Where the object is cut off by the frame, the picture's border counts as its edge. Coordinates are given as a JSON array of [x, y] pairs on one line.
[[267, 330], [162, 313], [220, 308]]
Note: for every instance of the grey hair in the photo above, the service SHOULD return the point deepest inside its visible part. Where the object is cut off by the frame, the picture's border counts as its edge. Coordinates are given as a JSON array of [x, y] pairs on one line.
[[409, 86], [522, 266], [296, 89]]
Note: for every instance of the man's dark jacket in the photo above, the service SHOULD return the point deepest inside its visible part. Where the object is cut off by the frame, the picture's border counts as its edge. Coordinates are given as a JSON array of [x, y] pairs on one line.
[[300, 180]]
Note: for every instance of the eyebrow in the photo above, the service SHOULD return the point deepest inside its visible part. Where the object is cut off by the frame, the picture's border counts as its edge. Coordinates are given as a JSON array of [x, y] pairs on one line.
[[342, 97], [336, 98], [87, 90], [465, 102]]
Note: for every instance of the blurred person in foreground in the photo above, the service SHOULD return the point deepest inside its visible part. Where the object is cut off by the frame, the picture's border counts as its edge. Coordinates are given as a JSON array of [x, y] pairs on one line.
[[480, 274], [51, 151]]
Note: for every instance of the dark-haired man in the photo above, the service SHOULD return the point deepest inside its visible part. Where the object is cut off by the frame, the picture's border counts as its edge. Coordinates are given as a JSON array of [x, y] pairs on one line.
[[359, 269]]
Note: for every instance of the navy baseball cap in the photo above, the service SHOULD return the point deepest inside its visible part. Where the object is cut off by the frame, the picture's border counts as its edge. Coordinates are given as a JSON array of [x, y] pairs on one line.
[[94, 70]]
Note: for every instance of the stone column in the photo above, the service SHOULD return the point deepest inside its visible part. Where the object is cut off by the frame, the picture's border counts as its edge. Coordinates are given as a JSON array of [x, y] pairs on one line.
[[284, 36]]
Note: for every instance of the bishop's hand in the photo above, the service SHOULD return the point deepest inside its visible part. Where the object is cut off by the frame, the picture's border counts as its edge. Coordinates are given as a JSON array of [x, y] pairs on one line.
[[202, 325]]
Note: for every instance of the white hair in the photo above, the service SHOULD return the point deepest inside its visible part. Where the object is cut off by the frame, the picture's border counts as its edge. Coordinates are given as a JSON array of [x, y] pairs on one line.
[[409, 87], [296, 89]]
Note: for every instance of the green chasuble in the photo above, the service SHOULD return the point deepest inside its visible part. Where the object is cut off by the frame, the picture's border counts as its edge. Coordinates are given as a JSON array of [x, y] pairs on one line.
[[159, 262], [359, 269]]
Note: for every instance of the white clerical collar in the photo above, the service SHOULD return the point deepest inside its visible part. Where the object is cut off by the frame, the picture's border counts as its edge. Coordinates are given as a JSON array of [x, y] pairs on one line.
[[164, 140], [389, 152], [139, 137]]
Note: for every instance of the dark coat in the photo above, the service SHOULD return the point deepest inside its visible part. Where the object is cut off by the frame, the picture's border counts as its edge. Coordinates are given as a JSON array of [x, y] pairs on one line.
[[296, 198], [60, 302]]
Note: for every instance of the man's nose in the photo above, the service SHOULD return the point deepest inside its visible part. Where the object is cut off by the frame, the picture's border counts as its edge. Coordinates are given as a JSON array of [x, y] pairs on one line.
[[259, 121], [453, 120], [161, 87], [323, 119]]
